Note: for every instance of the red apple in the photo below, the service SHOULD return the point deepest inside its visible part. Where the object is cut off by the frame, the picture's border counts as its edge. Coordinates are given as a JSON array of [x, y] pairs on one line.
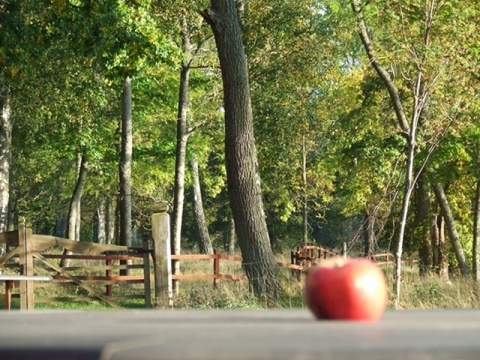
[[346, 289]]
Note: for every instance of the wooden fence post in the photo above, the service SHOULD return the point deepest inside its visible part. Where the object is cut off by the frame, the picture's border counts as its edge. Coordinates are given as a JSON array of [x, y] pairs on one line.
[[108, 274], [26, 266], [162, 260], [216, 267], [146, 275]]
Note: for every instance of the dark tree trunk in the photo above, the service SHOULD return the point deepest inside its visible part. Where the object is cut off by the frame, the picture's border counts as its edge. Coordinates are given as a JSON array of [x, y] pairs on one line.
[[368, 234], [422, 223], [204, 242], [241, 159], [451, 229], [60, 227]]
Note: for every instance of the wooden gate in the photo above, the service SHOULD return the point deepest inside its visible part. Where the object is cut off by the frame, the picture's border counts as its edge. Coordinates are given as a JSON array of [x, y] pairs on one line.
[[30, 249]]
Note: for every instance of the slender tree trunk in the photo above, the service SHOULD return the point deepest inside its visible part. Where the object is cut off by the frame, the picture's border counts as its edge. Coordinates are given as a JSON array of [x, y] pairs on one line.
[[75, 202], [439, 256], [451, 229], [74, 211], [181, 150], [476, 235], [204, 242], [5, 156], [126, 170], [305, 193], [243, 179], [110, 221], [100, 222], [126, 166]]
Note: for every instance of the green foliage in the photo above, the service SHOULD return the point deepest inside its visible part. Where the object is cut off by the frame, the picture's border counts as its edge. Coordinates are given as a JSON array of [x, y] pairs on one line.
[[314, 97]]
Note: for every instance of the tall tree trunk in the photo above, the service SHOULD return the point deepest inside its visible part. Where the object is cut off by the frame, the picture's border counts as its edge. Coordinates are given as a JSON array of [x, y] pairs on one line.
[[421, 223], [451, 229], [126, 166], [243, 179], [305, 192], [204, 242], [476, 235], [110, 221], [100, 222], [75, 202], [126, 169], [181, 150], [368, 234], [74, 211], [5, 155], [439, 256]]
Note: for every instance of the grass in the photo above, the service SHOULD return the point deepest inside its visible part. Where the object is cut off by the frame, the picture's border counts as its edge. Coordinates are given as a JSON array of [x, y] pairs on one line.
[[426, 292]]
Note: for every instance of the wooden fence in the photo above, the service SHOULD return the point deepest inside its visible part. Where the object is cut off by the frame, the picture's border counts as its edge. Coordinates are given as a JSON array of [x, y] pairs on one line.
[[28, 257], [388, 259], [306, 256], [216, 275]]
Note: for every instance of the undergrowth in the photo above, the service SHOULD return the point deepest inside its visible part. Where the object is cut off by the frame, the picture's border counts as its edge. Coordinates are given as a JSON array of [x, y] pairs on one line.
[[426, 292]]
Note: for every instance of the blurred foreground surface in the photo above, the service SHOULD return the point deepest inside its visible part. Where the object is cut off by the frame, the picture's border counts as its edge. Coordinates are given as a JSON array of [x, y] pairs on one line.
[[238, 334]]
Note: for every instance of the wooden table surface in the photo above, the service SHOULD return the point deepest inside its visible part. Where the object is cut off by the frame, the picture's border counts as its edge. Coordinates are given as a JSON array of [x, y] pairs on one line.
[[240, 334]]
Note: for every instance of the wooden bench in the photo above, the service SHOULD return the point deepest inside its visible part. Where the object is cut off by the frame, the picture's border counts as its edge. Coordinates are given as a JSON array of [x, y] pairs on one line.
[[11, 280]]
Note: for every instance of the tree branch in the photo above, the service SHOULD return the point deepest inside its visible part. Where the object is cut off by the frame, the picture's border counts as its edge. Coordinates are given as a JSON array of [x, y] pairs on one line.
[[384, 75]]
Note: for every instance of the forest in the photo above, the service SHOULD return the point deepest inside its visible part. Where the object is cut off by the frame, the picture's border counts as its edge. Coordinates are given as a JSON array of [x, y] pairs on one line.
[[258, 125]]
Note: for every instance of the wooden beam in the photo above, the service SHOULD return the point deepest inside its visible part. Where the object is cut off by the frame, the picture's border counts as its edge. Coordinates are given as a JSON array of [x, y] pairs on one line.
[[43, 242], [162, 260], [26, 266]]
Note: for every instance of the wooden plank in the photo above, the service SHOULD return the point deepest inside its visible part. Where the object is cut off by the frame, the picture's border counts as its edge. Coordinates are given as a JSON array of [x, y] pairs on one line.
[[117, 278], [84, 298], [77, 281], [94, 257], [193, 257], [102, 267], [208, 276], [44, 242], [66, 282], [14, 277], [230, 257]]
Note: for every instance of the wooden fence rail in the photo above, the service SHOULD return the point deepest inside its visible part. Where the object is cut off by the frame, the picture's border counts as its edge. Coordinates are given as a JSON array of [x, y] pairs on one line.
[[216, 275]]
